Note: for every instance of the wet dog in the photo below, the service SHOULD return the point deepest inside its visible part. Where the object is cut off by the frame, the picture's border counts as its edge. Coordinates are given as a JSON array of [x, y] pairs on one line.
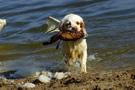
[[74, 50]]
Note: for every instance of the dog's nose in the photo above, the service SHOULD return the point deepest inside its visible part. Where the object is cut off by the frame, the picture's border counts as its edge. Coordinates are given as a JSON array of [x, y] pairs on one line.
[[75, 28]]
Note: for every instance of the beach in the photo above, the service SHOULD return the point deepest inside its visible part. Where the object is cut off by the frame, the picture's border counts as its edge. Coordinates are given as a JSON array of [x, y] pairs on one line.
[[119, 80]]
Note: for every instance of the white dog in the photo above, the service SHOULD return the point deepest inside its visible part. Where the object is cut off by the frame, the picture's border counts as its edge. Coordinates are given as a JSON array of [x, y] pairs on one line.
[[74, 50]]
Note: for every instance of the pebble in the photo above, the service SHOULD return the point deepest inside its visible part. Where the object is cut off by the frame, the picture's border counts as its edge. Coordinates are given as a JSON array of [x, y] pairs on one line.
[[59, 75], [44, 79], [29, 85]]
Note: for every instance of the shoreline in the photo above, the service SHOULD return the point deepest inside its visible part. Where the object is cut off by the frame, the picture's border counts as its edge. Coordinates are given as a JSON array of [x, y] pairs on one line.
[[90, 81]]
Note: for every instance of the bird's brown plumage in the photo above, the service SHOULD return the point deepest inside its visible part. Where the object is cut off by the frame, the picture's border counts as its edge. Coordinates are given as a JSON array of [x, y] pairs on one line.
[[66, 36]]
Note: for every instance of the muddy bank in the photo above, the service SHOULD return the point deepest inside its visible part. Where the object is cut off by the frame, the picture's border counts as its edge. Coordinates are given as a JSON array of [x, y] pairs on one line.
[[91, 81]]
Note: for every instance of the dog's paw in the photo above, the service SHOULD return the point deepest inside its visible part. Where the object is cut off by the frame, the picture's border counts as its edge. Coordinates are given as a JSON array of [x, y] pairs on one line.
[[83, 72]]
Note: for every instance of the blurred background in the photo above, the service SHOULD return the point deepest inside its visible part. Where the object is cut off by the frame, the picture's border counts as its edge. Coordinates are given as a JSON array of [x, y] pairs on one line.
[[109, 23]]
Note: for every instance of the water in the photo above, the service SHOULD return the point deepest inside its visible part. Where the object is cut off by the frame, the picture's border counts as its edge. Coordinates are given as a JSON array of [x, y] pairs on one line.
[[109, 23]]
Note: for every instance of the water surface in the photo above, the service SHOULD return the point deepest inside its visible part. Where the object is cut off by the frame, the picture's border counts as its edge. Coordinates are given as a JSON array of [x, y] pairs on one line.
[[109, 23]]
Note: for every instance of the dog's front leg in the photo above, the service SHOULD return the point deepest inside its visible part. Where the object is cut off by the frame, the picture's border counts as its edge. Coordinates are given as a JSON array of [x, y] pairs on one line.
[[83, 62]]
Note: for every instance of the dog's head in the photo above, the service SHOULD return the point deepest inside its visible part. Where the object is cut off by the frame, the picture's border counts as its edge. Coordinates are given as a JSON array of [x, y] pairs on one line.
[[72, 22]]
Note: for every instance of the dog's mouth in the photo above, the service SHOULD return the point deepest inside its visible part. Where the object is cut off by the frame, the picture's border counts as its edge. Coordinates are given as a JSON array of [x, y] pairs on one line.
[[74, 29]]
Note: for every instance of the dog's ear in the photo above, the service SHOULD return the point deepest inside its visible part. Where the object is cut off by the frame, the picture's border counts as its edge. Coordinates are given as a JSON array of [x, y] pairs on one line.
[[62, 26], [82, 25]]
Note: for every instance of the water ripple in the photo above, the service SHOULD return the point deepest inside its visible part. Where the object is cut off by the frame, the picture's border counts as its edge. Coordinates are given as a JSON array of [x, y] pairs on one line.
[[109, 23]]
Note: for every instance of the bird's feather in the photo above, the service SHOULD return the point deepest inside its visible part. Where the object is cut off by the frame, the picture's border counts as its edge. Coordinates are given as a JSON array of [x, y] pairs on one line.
[[53, 25]]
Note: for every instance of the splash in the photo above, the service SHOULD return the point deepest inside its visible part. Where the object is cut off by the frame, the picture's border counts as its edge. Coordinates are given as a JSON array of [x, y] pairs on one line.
[[62, 66], [93, 57]]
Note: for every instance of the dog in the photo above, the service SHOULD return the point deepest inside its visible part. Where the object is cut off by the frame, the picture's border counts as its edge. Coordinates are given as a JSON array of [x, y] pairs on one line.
[[74, 50]]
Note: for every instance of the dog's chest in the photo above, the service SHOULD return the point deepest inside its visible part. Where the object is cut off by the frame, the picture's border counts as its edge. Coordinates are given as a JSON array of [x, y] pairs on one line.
[[74, 46]]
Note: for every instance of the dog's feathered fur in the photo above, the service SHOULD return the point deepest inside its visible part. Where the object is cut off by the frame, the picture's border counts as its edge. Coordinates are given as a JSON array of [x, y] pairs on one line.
[[74, 50]]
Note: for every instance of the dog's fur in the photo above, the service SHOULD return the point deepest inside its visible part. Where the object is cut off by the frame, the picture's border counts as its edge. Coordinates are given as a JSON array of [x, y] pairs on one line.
[[74, 50]]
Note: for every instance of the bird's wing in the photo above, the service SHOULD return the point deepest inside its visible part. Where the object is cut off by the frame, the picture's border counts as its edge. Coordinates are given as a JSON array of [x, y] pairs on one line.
[[53, 25]]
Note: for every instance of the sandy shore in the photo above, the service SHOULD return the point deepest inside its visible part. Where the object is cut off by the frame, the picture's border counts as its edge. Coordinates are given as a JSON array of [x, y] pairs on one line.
[[120, 80]]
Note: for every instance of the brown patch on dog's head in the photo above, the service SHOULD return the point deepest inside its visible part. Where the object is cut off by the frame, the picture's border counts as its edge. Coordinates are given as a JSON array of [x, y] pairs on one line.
[[82, 25]]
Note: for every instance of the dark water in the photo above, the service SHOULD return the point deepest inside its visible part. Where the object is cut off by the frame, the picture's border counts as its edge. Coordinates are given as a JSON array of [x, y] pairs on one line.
[[109, 23]]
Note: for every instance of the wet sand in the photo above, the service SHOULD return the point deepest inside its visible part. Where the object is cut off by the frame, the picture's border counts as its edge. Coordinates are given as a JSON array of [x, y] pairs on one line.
[[119, 80]]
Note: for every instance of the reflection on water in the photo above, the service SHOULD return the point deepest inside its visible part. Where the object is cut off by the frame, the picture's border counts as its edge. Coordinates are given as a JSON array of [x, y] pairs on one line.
[[109, 23]]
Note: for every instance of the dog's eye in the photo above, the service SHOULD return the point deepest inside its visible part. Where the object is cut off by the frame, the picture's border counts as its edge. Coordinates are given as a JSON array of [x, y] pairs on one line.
[[77, 23], [68, 24]]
